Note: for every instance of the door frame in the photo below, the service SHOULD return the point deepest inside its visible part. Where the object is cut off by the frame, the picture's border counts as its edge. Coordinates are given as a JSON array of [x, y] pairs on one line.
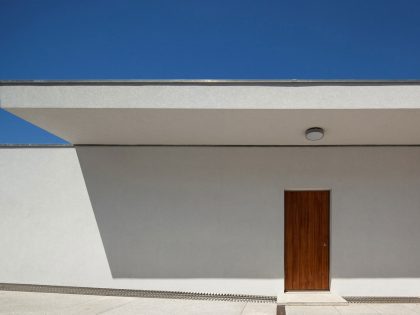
[[284, 236]]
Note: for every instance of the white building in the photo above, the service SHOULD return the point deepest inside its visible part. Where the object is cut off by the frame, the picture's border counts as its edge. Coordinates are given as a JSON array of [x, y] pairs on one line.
[[181, 185]]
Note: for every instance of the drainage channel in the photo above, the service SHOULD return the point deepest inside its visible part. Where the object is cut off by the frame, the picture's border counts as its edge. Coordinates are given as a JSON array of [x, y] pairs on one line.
[[136, 293], [187, 295]]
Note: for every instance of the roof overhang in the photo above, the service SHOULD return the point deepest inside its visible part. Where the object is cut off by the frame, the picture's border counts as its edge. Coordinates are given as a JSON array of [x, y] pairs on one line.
[[220, 112]]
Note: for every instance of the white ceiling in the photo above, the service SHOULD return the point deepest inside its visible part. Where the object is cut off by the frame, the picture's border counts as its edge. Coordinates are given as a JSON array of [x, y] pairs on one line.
[[227, 126]]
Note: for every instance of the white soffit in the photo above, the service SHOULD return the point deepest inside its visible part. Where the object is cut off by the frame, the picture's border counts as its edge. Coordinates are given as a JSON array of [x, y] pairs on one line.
[[275, 113]]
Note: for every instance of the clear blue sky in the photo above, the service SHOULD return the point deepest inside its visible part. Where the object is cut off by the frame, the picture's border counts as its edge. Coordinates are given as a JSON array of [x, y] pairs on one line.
[[14, 130], [215, 39]]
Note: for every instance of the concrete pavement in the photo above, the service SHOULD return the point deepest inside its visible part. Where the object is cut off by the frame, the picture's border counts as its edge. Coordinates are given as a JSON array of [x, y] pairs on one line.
[[30, 303]]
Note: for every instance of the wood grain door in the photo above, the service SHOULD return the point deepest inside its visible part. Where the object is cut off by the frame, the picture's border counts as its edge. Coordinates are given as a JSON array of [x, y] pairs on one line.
[[307, 236]]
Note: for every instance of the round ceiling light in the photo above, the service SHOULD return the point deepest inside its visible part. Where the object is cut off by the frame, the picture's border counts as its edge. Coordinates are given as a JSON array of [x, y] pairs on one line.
[[314, 133]]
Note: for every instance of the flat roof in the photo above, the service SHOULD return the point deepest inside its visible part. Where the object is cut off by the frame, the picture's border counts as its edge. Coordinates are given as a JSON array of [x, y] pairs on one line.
[[219, 112], [210, 82]]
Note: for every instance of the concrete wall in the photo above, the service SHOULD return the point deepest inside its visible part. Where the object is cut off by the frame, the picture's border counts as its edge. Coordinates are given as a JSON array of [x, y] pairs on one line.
[[206, 219]]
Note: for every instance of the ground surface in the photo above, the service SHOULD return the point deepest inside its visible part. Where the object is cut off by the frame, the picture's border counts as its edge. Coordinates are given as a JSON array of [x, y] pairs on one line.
[[359, 309], [25, 303]]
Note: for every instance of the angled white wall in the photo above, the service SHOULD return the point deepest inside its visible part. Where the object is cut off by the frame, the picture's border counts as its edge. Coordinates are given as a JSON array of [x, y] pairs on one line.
[[49, 235], [220, 207]]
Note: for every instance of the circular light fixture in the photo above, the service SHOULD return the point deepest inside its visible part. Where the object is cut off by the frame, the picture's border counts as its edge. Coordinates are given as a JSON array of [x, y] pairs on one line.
[[314, 133]]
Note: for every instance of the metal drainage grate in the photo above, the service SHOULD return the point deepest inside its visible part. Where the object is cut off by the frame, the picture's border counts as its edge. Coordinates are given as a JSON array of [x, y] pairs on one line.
[[136, 293], [381, 299]]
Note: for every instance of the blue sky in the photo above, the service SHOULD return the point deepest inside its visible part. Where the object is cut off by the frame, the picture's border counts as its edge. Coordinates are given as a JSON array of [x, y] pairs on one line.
[[217, 39], [14, 130]]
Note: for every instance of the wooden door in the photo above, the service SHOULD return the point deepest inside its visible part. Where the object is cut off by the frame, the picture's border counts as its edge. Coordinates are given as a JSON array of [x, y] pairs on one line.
[[307, 236]]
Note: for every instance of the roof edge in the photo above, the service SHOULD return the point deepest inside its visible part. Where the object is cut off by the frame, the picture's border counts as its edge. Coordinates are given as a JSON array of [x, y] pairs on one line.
[[295, 82]]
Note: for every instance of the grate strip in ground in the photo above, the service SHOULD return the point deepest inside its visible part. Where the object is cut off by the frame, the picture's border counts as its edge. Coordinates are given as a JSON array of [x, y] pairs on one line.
[[382, 299], [136, 293]]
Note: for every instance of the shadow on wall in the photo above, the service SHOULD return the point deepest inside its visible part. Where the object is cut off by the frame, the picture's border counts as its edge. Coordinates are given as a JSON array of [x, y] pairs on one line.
[[184, 213], [217, 212]]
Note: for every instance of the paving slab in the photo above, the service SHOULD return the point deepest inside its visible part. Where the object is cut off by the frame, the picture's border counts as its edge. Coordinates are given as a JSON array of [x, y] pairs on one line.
[[259, 309], [311, 298], [175, 307], [311, 310], [29, 302], [394, 309], [361, 309], [413, 307], [101, 305], [357, 309], [34, 303]]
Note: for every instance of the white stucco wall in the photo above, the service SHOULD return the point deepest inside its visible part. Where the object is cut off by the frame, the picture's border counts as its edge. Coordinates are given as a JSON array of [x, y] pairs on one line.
[[48, 232], [206, 219]]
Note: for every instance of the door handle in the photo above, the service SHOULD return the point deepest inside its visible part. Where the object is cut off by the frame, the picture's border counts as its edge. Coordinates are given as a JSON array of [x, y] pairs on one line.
[[324, 244]]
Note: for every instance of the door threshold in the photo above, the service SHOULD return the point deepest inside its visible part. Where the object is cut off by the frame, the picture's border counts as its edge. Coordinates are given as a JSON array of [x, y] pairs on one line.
[[311, 298]]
